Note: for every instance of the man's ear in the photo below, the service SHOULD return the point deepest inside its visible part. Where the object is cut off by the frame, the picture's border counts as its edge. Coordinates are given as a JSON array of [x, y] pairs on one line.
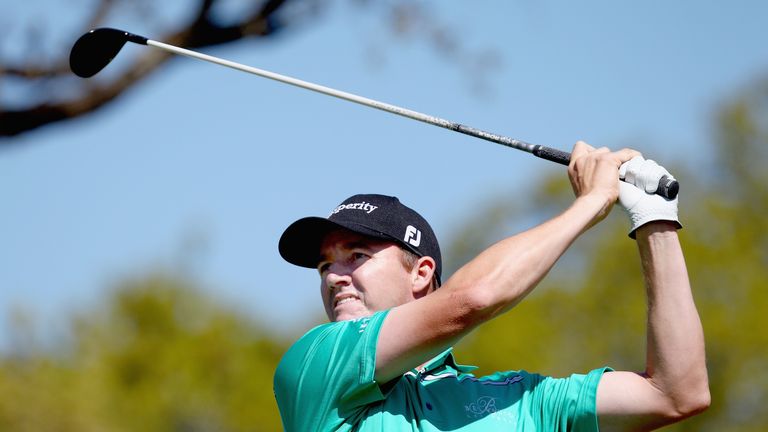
[[423, 273]]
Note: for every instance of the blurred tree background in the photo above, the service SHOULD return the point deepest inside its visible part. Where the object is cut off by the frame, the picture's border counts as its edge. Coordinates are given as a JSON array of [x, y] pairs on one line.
[[160, 355]]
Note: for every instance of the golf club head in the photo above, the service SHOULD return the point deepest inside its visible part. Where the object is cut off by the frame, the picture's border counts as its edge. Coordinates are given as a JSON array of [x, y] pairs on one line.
[[94, 50]]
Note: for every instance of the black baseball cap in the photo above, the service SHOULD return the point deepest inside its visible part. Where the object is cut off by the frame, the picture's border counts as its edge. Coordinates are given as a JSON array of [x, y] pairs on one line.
[[379, 216]]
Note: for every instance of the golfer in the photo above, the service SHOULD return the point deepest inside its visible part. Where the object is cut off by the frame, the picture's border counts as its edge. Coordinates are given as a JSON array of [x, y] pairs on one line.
[[384, 361]]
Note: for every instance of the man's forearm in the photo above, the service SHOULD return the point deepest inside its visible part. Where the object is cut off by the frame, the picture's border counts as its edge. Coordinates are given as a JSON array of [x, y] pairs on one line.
[[675, 361]]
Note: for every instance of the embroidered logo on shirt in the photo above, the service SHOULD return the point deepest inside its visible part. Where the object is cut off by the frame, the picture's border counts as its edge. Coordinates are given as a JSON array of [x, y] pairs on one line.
[[485, 406]]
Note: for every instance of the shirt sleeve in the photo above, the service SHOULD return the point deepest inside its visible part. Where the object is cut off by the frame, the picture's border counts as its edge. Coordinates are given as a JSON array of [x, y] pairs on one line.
[[568, 404], [327, 376]]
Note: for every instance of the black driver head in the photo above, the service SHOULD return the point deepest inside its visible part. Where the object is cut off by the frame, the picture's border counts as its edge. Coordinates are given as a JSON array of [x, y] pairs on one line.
[[94, 50]]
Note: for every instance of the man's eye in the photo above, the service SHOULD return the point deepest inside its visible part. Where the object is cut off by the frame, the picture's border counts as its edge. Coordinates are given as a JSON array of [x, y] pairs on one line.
[[323, 267], [359, 255]]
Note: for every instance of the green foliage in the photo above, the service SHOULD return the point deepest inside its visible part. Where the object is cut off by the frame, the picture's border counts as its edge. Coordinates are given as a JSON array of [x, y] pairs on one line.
[[159, 356], [590, 311]]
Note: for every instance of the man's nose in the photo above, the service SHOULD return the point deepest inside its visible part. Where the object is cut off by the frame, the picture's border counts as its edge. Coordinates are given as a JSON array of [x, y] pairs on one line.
[[338, 275]]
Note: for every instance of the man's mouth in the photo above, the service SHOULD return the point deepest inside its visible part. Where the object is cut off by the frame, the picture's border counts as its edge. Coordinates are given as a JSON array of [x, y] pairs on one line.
[[344, 299]]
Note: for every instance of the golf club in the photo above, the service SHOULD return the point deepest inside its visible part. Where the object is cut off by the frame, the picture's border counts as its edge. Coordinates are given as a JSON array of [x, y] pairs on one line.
[[94, 50]]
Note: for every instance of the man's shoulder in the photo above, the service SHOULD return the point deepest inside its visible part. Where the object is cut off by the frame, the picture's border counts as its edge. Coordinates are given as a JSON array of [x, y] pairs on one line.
[[335, 360], [325, 339], [348, 328]]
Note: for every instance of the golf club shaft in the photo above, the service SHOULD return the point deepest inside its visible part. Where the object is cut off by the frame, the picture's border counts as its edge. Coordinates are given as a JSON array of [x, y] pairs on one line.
[[667, 187], [538, 150]]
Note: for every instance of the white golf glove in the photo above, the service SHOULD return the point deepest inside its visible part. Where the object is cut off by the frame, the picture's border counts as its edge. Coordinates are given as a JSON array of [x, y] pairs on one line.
[[637, 193]]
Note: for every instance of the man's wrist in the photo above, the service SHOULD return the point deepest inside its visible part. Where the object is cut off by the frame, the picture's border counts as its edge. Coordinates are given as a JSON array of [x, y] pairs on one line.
[[592, 207], [658, 228]]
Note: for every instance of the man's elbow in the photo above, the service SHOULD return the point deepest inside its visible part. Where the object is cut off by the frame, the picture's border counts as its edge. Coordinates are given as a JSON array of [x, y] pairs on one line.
[[699, 403], [479, 303], [692, 403]]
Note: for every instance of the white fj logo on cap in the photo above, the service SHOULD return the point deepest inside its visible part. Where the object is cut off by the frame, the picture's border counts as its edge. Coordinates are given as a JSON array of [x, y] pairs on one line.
[[412, 236]]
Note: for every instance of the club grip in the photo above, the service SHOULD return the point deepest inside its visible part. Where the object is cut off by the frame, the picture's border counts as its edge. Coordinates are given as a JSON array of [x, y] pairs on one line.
[[668, 187], [551, 154]]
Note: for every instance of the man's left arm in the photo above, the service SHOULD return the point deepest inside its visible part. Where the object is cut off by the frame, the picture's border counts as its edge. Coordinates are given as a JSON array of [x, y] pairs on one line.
[[674, 384]]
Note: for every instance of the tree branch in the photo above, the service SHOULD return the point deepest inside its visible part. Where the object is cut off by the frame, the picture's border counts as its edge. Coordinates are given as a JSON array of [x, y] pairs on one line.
[[201, 31]]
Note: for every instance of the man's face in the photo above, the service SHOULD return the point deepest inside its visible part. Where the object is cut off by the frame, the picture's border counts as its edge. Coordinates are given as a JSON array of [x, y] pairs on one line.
[[360, 275]]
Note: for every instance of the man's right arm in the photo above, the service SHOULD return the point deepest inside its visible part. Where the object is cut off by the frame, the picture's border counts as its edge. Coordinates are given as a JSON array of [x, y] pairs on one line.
[[502, 275]]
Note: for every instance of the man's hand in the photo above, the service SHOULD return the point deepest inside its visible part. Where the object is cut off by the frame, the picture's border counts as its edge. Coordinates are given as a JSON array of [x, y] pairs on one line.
[[594, 174], [637, 194]]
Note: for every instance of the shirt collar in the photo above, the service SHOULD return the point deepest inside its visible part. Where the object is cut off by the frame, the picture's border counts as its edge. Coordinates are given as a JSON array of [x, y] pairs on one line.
[[445, 358]]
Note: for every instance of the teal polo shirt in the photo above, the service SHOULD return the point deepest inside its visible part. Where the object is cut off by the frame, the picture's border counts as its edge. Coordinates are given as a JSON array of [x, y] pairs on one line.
[[325, 382]]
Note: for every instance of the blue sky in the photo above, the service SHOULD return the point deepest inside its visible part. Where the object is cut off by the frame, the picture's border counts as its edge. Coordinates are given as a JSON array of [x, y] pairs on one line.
[[205, 156]]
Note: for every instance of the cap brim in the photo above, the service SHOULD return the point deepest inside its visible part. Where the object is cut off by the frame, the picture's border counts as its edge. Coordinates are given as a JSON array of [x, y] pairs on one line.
[[301, 241]]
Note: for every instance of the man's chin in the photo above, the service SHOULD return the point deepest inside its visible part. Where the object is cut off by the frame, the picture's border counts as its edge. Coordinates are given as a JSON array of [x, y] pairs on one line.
[[349, 310]]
